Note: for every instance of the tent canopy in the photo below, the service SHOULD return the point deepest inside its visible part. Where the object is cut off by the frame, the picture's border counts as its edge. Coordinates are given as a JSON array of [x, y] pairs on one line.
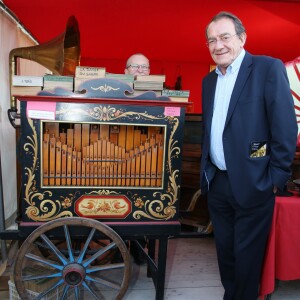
[[162, 29], [170, 33]]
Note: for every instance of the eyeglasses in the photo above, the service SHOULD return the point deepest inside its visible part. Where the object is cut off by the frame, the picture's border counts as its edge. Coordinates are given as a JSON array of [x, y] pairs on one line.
[[135, 67], [224, 38]]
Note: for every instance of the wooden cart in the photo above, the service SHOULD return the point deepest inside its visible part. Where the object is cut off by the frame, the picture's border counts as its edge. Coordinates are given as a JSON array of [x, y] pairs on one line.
[[97, 169]]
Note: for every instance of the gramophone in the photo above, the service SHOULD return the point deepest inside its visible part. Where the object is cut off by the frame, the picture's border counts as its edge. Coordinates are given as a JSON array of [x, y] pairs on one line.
[[60, 55]]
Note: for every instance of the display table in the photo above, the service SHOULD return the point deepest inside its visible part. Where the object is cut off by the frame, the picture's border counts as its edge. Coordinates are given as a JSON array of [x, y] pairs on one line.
[[282, 260]]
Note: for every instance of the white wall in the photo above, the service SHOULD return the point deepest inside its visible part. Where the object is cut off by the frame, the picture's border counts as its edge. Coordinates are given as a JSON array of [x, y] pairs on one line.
[[11, 36]]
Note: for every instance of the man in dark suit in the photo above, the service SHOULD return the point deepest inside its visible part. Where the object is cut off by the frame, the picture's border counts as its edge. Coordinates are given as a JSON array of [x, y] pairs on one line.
[[249, 142]]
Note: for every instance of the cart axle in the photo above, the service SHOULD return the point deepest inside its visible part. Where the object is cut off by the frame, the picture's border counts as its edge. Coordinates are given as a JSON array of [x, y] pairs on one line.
[[74, 274]]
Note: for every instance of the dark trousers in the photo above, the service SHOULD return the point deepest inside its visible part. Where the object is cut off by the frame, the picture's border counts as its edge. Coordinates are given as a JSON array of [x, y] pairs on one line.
[[240, 236]]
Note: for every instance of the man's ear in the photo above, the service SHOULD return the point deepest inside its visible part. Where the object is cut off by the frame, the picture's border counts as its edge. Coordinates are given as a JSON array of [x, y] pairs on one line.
[[125, 71], [243, 38]]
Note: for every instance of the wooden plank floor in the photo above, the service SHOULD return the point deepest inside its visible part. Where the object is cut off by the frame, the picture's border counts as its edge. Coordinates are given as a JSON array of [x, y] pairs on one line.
[[192, 274]]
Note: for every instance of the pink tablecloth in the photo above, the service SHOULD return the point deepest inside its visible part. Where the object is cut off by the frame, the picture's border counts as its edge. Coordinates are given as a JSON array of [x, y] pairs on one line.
[[282, 260]]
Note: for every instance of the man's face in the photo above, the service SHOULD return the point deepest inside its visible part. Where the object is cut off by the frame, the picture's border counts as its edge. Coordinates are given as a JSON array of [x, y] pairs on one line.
[[223, 42], [138, 65]]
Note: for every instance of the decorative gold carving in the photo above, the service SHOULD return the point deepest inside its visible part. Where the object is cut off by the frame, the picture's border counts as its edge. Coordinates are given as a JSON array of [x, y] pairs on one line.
[[103, 192], [108, 113], [139, 202], [68, 201], [164, 207], [103, 206], [40, 207], [105, 88]]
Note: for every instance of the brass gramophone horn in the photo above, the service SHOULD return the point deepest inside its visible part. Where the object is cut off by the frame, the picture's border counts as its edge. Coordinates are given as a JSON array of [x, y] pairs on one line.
[[60, 55]]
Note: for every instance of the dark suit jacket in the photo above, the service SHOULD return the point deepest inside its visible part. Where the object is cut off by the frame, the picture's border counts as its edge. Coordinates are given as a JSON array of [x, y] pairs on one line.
[[261, 110]]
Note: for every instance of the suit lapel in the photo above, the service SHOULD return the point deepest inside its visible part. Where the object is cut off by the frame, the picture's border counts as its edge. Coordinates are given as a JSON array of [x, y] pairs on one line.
[[244, 72], [211, 97]]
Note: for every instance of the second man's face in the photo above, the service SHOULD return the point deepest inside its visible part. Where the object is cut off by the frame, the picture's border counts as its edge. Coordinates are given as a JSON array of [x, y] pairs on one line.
[[139, 65]]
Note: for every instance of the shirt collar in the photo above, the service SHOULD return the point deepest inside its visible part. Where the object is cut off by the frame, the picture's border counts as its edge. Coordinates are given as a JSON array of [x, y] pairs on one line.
[[234, 67]]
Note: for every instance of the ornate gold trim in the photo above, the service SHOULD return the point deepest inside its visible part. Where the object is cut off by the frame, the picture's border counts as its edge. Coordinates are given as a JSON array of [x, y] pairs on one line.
[[107, 113], [40, 208], [158, 209]]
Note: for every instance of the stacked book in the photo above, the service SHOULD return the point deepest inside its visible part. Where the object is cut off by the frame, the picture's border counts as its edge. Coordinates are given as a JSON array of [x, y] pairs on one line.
[[177, 95], [84, 73], [127, 78], [53, 81], [26, 85], [32, 85], [149, 83]]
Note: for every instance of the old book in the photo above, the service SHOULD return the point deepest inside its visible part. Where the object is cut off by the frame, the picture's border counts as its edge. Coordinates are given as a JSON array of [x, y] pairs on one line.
[[148, 85], [179, 99], [175, 93], [25, 90], [53, 81], [159, 78], [19, 80], [90, 72], [124, 77], [140, 92]]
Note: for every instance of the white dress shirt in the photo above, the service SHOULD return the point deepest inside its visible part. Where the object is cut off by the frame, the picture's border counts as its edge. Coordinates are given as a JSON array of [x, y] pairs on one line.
[[224, 88]]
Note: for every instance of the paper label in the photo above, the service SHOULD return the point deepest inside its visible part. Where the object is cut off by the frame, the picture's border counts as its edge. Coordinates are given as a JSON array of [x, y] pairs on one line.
[[41, 110], [172, 111]]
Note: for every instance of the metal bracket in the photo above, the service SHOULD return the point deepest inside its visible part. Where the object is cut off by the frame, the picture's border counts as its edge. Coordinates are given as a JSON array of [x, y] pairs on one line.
[[12, 116]]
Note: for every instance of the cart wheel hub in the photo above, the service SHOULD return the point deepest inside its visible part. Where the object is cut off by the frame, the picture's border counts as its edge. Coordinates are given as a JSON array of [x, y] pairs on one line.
[[73, 274]]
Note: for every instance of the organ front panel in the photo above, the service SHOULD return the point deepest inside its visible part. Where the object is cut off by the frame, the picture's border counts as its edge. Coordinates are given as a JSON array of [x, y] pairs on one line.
[[108, 159]]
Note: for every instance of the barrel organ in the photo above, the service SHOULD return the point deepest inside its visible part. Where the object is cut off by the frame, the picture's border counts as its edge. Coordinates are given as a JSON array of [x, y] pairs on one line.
[[115, 160]]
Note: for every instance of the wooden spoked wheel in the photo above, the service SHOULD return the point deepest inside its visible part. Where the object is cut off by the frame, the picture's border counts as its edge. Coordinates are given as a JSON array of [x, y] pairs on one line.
[[68, 256]]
